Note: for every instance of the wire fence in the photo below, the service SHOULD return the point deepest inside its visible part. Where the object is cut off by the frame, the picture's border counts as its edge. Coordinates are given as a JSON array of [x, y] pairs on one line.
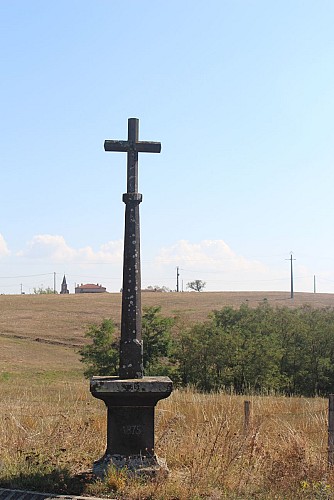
[[326, 422], [317, 424]]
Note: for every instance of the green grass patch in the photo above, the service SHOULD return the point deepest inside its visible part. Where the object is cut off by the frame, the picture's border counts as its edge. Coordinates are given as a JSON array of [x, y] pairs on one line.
[[5, 376], [51, 376]]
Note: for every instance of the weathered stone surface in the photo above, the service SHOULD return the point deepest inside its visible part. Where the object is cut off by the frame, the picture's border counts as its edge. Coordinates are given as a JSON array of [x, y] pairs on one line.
[[146, 391], [116, 385], [131, 346], [137, 465], [130, 403]]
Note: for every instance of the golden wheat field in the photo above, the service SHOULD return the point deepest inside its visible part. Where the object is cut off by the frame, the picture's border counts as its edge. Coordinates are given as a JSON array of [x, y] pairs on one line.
[[51, 429]]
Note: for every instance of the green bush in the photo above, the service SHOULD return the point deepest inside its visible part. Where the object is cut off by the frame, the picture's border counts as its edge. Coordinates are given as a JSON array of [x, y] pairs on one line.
[[260, 349], [156, 334], [101, 357], [247, 349]]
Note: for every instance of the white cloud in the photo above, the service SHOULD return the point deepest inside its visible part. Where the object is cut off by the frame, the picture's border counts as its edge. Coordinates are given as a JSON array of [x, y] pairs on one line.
[[3, 247], [212, 255], [218, 265], [212, 261], [55, 249]]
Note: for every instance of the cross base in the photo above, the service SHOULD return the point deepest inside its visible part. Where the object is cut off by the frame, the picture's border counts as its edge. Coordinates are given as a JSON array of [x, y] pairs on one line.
[[130, 425], [136, 465]]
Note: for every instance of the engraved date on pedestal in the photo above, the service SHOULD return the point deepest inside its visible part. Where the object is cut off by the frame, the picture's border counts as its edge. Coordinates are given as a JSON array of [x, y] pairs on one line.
[[132, 430]]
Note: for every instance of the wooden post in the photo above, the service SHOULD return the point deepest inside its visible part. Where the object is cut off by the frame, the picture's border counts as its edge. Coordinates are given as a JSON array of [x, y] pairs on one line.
[[247, 416], [331, 429]]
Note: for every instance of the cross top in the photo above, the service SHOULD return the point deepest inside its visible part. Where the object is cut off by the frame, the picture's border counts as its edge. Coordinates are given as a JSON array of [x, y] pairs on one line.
[[132, 147]]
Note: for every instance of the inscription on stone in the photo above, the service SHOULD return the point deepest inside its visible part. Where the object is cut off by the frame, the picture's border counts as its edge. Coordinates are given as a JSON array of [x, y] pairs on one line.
[[132, 430]]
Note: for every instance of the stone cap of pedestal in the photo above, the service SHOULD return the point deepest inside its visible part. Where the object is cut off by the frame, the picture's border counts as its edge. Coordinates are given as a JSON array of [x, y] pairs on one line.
[[146, 391]]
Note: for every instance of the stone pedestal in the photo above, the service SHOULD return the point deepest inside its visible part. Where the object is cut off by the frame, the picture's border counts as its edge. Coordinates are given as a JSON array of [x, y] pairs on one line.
[[130, 425]]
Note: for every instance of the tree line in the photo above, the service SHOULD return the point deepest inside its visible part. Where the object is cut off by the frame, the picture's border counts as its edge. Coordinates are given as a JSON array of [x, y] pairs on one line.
[[266, 348]]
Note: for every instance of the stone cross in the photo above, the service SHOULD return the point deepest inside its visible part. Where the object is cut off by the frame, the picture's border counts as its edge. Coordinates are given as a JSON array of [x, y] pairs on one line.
[[131, 346], [131, 398]]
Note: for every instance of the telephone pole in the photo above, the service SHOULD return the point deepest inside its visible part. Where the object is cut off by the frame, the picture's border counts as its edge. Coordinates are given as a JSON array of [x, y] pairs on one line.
[[291, 274], [314, 287], [54, 282], [177, 279]]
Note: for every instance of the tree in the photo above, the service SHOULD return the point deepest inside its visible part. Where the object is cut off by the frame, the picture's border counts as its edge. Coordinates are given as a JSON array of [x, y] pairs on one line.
[[42, 291], [156, 333], [197, 285], [198, 352], [232, 349], [156, 288], [101, 356], [260, 348]]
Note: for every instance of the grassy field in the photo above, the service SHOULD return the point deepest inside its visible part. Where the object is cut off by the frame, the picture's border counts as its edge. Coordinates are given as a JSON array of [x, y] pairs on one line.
[[40, 333], [52, 429], [63, 318], [51, 433]]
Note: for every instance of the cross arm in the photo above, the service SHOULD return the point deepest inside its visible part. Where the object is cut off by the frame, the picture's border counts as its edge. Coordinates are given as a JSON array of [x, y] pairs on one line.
[[116, 146], [148, 147], [125, 146]]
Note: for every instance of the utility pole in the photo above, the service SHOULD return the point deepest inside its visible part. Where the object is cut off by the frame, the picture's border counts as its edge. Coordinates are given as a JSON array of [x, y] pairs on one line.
[[177, 279], [314, 287], [54, 282], [291, 274]]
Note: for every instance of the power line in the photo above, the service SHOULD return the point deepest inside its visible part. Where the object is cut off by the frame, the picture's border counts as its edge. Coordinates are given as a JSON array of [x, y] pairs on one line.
[[24, 276]]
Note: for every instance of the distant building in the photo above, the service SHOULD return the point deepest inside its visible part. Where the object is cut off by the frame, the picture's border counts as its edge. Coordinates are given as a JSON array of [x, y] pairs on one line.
[[64, 288], [89, 288]]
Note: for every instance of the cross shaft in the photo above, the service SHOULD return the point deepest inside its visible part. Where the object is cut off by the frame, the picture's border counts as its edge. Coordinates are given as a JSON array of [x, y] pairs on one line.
[[131, 346]]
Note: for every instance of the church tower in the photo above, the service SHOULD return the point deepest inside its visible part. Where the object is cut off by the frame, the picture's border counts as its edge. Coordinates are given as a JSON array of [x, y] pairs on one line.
[[64, 288]]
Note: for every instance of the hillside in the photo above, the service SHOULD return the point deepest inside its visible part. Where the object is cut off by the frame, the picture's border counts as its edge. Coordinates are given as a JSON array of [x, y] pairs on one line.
[[63, 318], [40, 333]]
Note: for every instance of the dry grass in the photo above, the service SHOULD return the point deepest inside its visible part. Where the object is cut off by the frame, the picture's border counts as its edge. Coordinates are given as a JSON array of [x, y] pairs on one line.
[[63, 318], [42, 333], [51, 429], [52, 433]]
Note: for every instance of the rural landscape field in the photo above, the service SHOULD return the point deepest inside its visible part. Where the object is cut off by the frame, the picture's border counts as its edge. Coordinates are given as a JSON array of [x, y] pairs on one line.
[[52, 429]]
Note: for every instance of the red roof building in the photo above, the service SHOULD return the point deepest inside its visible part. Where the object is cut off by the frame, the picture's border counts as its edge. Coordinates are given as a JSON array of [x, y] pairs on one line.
[[90, 288]]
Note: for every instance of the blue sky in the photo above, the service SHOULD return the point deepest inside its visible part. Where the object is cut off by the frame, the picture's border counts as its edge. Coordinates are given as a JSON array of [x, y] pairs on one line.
[[239, 93]]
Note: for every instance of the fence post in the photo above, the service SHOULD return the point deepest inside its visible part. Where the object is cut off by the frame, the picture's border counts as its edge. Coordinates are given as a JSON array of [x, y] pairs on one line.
[[247, 416], [331, 429]]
